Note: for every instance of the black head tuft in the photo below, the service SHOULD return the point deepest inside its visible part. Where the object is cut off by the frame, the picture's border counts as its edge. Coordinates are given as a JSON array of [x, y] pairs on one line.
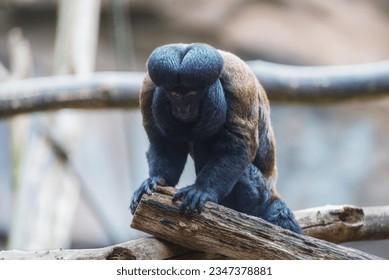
[[201, 66], [164, 64], [192, 66]]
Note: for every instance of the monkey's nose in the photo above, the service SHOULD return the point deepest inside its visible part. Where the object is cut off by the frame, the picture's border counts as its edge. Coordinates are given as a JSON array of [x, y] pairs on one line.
[[184, 110], [185, 114]]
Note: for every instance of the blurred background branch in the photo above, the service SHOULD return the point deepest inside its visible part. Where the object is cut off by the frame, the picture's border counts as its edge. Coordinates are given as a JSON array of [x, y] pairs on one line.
[[283, 83]]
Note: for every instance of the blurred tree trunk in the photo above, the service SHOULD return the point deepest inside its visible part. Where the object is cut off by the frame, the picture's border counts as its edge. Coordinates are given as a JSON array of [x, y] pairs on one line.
[[21, 67], [5, 170], [49, 188]]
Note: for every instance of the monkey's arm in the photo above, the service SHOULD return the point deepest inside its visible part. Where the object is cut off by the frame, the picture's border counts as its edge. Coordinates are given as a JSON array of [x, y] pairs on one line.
[[166, 158], [166, 162]]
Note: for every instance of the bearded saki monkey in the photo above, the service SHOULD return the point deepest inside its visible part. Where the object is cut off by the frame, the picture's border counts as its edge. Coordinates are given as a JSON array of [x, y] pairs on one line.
[[207, 103]]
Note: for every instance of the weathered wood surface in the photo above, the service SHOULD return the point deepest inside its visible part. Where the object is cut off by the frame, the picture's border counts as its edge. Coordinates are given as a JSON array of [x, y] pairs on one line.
[[345, 223], [333, 223], [139, 249], [223, 231]]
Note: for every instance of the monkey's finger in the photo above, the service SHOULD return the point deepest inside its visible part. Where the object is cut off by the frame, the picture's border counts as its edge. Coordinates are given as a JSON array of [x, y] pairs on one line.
[[150, 186], [201, 202], [154, 187], [137, 195], [133, 207], [194, 202], [185, 203], [147, 188], [154, 182], [179, 194], [188, 206]]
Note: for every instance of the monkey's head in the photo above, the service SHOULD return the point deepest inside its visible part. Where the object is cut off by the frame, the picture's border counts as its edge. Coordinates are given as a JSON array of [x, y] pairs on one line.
[[185, 73]]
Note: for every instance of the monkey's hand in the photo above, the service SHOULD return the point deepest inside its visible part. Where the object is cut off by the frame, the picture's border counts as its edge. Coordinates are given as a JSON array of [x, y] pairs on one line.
[[194, 198], [147, 187]]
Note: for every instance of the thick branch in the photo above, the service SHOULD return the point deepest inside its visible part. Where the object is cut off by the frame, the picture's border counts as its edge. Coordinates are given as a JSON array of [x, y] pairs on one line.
[[140, 249], [121, 89], [317, 84], [98, 90], [345, 223], [333, 223], [223, 231]]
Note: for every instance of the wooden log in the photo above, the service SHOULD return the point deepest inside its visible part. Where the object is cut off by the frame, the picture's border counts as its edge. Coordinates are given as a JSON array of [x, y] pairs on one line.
[[139, 249], [324, 222], [219, 230], [345, 223]]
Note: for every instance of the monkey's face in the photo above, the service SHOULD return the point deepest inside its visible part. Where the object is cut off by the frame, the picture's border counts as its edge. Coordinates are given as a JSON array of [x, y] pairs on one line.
[[185, 104]]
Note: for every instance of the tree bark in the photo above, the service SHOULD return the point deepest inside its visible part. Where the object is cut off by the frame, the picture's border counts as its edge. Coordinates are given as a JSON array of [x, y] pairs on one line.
[[99, 90], [219, 230], [333, 223], [345, 223], [139, 249], [322, 84]]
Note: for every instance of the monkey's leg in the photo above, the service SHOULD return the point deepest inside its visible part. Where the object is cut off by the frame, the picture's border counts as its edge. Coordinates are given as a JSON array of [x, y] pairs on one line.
[[246, 196], [278, 213], [254, 195]]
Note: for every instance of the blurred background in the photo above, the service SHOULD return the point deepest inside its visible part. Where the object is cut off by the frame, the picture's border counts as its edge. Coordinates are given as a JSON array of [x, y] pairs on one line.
[[327, 154]]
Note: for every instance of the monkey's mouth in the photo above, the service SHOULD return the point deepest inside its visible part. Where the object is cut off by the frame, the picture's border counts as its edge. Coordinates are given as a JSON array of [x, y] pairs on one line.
[[185, 118]]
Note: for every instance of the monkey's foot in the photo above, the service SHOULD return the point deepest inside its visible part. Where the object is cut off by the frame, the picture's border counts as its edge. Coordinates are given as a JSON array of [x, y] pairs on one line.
[[279, 214]]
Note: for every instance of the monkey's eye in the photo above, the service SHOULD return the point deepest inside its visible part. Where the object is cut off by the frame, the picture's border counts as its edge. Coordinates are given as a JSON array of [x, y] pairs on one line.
[[174, 94], [192, 93]]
